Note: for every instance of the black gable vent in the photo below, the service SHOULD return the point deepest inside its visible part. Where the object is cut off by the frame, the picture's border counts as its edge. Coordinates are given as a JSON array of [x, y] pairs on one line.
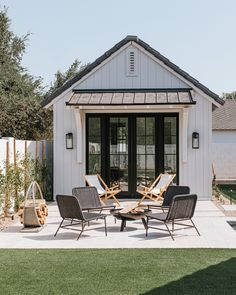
[[132, 62]]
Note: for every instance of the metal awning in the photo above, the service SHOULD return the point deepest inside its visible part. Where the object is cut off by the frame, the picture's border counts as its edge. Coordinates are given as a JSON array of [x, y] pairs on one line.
[[101, 97]]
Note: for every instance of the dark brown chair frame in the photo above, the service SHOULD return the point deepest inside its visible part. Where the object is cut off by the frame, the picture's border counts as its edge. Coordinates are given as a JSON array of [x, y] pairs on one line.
[[89, 199], [172, 190], [70, 210], [181, 209]]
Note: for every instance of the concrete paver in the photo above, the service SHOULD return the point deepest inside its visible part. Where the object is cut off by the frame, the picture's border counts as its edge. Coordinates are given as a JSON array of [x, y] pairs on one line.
[[210, 221]]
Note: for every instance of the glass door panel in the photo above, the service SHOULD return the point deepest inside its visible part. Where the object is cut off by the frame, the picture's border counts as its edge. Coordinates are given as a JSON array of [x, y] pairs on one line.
[[119, 152], [145, 150], [170, 144], [94, 145]]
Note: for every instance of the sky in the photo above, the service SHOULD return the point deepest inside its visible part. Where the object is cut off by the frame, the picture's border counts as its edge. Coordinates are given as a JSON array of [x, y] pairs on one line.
[[197, 35]]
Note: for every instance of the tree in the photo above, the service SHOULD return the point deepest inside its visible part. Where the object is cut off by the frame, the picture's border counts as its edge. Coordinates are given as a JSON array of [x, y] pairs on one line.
[[62, 78], [20, 93], [231, 95]]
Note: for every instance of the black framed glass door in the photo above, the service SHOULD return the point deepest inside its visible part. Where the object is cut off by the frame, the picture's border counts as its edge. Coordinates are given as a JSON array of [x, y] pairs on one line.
[[130, 150], [145, 150], [119, 152]]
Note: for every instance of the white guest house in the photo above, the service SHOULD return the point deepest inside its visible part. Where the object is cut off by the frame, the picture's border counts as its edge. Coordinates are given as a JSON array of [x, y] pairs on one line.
[[130, 115]]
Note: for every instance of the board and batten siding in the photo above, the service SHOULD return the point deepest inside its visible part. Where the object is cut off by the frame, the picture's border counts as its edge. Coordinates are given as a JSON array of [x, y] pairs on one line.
[[224, 154], [196, 172], [113, 74]]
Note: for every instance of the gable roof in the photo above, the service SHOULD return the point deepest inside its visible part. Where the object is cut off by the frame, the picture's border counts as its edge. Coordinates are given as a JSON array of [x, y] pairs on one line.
[[115, 48], [224, 118]]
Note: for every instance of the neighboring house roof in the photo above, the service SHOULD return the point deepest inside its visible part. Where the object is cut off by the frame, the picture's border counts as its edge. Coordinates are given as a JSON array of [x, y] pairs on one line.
[[224, 118], [115, 48]]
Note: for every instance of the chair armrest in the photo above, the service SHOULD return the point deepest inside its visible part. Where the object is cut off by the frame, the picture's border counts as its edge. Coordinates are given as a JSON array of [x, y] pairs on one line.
[[154, 206], [108, 207], [100, 208], [165, 207]]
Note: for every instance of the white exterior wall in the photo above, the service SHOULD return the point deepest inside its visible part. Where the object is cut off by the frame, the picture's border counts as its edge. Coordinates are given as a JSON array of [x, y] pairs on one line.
[[224, 154], [196, 172]]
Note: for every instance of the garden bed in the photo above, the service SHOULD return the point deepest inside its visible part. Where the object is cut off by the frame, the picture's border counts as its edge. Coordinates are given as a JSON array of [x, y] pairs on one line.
[[228, 191]]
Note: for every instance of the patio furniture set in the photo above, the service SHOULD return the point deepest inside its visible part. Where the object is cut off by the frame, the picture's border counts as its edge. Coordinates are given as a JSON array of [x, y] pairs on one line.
[[86, 204]]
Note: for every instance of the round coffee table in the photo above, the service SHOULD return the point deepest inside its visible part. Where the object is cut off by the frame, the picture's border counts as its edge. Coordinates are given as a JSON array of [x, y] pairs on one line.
[[129, 217]]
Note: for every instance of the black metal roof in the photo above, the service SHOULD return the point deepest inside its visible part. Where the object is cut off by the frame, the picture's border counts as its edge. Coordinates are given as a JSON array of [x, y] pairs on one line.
[[120, 44], [140, 96]]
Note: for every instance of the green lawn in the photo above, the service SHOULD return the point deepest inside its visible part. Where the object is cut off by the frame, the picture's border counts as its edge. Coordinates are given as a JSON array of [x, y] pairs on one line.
[[229, 190], [121, 271]]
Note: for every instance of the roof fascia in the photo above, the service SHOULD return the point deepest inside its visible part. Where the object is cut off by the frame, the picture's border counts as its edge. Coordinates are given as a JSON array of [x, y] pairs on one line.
[[176, 74], [56, 99]]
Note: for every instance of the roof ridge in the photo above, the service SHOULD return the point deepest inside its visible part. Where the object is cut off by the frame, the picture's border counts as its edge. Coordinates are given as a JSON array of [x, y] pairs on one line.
[[116, 47]]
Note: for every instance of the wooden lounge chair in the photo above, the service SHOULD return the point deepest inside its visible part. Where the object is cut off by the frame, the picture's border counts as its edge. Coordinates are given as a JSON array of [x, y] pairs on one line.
[[181, 209], [103, 190], [156, 190]]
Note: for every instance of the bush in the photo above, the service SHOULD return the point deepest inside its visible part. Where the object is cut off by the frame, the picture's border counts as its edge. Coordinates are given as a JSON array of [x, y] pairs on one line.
[[16, 178]]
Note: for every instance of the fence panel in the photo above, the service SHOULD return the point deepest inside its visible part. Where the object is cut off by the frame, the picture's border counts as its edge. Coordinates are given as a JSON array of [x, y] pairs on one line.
[[10, 148], [12, 151]]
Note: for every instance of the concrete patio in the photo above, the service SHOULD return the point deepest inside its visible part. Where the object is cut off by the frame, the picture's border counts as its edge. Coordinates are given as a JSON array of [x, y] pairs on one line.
[[210, 221]]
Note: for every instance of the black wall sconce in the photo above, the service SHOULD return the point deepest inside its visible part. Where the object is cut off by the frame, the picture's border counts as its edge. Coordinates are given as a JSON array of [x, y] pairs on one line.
[[195, 140], [69, 141]]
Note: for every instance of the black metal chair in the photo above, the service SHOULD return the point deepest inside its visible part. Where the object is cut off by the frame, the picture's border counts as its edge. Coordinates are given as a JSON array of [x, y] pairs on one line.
[[172, 190], [89, 199], [70, 210], [182, 208]]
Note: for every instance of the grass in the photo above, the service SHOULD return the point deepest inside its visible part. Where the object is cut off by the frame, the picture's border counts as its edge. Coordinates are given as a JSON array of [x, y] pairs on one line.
[[121, 271], [229, 190]]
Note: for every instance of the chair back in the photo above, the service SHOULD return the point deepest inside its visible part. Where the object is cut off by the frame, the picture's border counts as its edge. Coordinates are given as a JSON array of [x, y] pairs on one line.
[[88, 197], [182, 207], [174, 190], [93, 180], [162, 184], [69, 207]]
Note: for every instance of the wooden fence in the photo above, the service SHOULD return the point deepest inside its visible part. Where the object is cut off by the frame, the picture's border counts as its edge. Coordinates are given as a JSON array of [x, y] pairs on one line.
[[10, 148]]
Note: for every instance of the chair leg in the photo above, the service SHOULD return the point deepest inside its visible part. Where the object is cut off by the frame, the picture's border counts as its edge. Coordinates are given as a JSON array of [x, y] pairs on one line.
[[169, 231], [103, 203], [195, 227], [117, 202], [59, 227], [173, 226], [105, 224], [143, 198], [147, 227], [115, 199], [83, 226]]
